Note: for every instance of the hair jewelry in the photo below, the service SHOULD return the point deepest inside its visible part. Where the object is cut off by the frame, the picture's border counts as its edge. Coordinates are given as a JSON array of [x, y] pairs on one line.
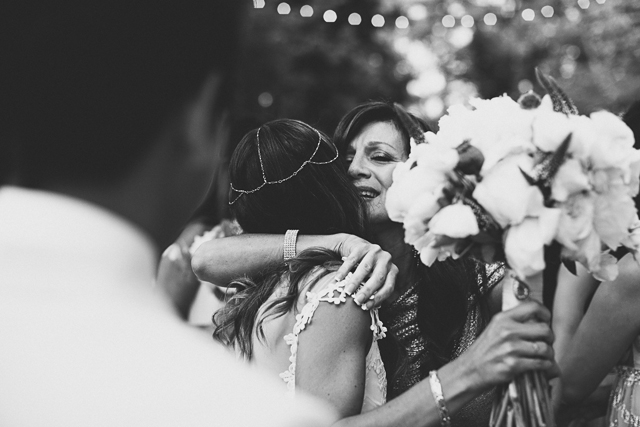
[[280, 181]]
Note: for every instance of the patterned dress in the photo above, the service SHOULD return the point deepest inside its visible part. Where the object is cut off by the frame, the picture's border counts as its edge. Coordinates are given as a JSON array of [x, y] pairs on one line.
[[401, 318], [624, 406]]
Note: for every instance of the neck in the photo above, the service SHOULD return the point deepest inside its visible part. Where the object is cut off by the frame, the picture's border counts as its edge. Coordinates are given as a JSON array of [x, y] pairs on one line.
[[390, 236]]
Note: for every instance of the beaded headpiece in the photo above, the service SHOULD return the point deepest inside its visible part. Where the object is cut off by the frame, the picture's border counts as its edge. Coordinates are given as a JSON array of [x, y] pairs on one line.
[[280, 181]]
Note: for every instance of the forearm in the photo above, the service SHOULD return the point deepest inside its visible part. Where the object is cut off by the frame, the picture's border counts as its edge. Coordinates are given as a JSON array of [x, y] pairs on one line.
[[417, 407], [220, 261]]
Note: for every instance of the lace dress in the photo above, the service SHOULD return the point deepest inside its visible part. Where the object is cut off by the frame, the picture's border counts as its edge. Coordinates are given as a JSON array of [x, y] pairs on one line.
[[624, 406], [401, 317], [375, 391]]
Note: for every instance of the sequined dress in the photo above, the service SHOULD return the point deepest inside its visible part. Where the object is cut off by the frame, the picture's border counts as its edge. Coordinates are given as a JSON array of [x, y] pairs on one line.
[[401, 319], [624, 405]]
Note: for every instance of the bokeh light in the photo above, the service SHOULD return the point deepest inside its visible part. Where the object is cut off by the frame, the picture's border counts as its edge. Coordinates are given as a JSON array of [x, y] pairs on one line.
[[528, 14], [490, 19], [265, 99], [417, 12], [448, 21], [284, 8], [547, 11], [402, 22], [377, 20], [467, 21], [330, 16], [354, 19], [306, 11]]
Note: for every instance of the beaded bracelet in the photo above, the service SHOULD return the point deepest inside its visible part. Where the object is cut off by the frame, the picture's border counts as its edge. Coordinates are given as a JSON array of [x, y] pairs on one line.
[[436, 391], [290, 244]]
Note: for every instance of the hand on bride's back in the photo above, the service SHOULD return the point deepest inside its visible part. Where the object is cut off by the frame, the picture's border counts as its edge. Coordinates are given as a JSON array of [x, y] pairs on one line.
[[370, 265], [514, 342]]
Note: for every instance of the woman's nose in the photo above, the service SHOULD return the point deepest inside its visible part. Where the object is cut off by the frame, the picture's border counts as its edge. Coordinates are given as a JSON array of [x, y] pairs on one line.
[[358, 168]]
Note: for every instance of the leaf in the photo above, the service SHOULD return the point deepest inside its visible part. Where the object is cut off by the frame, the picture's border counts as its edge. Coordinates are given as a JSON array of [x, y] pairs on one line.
[[561, 101]]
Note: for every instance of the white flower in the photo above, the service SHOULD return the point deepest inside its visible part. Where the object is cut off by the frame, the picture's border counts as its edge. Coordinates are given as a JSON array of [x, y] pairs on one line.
[[614, 145], [584, 136], [570, 179], [524, 248], [456, 221], [415, 222], [607, 268], [586, 251], [614, 213], [576, 220], [497, 127], [550, 129], [632, 240], [435, 155], [505, 193], [410, 186]]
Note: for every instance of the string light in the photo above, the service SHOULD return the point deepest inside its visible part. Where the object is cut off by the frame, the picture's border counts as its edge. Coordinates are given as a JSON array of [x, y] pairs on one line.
[[377, 20], [448, 21], [490, 19], [284, 8], [467, 21], [547, 11], [584, 4], [402, 22], [354, 19], [418, 12], [306, 11], [330, 16], [528, 14]]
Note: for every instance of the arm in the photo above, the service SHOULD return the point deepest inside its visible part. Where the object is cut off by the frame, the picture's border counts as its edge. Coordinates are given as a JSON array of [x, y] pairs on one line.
[[502, 351], [571, 298], [332, 353], [604, 334], [220, 261]]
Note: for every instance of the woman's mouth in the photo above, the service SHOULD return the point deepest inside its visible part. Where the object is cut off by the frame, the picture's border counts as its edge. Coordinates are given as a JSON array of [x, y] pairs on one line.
[[368, 193]]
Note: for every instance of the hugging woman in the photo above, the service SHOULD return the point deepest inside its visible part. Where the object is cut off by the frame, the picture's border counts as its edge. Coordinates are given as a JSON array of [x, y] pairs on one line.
[[434, 315]]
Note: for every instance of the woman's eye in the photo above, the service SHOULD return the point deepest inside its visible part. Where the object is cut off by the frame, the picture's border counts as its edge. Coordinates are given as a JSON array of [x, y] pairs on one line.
[[381, 157]]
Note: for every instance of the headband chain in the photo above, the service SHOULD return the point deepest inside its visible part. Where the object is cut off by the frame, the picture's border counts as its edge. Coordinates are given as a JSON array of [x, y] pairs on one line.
[[280, 181]]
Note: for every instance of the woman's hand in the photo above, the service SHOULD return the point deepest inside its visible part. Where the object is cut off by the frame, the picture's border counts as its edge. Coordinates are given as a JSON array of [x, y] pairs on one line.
[[514, 342], [373, 267], [175, 275]]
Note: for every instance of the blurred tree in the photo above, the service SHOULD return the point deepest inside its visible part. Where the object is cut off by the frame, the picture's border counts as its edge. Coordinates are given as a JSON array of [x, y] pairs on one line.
[[308, 69]]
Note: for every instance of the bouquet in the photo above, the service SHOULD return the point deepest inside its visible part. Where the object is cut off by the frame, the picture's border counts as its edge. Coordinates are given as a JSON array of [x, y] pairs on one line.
[[503, 180]]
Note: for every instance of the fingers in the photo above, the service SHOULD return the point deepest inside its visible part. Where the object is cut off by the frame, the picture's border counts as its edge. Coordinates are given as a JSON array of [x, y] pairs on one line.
[[377, 280], [529, 310], [362, 271], [387, 288]]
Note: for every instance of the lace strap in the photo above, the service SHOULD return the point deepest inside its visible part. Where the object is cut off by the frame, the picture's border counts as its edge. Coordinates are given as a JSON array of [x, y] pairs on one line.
[[334, 293]]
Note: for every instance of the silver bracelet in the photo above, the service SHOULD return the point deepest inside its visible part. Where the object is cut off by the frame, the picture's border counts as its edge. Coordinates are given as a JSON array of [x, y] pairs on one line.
[[290, 244], [436, 391]]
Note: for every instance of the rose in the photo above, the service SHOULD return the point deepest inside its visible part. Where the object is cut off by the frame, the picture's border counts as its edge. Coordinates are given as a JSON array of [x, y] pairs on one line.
[[505, 193]]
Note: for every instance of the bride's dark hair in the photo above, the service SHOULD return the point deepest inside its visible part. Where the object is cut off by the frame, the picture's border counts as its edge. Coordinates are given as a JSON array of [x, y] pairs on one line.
[[445, 287], [307, 189]]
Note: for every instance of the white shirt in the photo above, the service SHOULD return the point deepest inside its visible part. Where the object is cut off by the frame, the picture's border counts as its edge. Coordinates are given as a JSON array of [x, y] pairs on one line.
[[85, 340]]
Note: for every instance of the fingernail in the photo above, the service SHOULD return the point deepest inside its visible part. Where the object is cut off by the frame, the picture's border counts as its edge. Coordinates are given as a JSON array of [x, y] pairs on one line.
[[173, 252], [359, 299]]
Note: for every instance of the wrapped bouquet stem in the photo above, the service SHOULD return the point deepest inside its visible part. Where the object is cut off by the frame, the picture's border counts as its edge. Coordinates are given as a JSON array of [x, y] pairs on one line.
[[527, 397]]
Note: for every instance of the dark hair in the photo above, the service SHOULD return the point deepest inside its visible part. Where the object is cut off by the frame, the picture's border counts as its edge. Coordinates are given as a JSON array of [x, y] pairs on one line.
[[372, 112], [632, 119], [444, 287], [318, 198], [91, 83]]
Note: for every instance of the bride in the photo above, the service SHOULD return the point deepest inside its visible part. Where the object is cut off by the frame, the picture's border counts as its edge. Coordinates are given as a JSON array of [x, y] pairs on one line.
[[296, 320]]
